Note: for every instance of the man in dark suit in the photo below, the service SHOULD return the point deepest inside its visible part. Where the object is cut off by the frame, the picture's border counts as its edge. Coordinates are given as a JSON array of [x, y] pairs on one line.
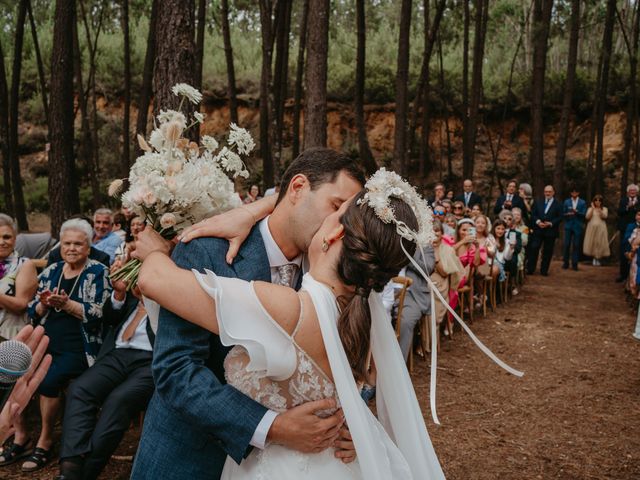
[[547, 215], [118, 386], [438, 194], [629, 205], [510, 199], [574, 211], [195, 420], [469, 197]]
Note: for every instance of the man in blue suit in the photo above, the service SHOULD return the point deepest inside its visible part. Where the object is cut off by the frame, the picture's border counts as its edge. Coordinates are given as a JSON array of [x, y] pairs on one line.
[[546, 215], [195, 420], [510, 199], [573, 211], [629, 205]]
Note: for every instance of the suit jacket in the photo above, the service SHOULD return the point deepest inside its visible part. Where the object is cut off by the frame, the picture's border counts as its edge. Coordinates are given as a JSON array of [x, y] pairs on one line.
[[575, 222], [114, 320], [553, 215], [516, 201], [475, 199], [627, 213], [194, 420], [626, 246], [419, 292]]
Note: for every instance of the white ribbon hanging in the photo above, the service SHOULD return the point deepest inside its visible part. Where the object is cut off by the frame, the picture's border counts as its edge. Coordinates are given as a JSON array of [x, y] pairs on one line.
[[434, 355]]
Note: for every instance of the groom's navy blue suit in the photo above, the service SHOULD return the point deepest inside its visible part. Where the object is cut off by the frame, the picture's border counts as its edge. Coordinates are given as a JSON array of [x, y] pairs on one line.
[[194, 419]]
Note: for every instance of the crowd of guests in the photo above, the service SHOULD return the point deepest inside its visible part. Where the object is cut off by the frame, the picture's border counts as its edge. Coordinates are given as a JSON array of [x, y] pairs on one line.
[[101, 337]]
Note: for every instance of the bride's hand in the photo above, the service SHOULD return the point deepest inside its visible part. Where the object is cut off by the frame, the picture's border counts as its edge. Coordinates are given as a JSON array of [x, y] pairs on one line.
[[150, 241], [345, 449], [234, 225]]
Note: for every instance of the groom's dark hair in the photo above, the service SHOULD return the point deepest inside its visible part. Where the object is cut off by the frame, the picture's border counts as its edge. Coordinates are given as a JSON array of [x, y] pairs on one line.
[[320, 165]]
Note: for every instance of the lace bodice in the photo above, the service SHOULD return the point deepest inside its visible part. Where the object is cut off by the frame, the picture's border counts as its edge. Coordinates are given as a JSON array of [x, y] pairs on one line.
[[307, 383]]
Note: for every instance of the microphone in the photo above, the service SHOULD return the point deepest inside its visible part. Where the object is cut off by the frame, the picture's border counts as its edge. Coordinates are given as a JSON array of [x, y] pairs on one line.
[[15, 361]]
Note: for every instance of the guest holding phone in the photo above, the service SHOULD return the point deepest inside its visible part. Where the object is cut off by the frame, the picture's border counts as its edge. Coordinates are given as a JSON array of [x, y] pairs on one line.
[[574, 211]]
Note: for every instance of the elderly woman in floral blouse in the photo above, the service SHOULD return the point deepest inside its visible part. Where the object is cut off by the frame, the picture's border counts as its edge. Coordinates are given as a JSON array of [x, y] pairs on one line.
[[69, 302]]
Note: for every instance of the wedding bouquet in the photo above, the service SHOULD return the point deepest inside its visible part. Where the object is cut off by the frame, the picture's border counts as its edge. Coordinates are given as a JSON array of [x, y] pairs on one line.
[[177, 182]]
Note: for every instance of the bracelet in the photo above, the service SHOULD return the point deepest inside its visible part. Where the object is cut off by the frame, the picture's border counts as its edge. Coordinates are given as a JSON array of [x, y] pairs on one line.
[[242, 207]]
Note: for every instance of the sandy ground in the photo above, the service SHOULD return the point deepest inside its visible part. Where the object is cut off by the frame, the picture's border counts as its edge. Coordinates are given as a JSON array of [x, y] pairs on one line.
[[574, 415]]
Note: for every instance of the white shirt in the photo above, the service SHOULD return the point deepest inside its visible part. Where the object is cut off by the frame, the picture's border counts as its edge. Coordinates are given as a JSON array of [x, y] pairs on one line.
[[548, 202], [574, 203], [276, 259], [140, 339], [509, 197], [467, 198]]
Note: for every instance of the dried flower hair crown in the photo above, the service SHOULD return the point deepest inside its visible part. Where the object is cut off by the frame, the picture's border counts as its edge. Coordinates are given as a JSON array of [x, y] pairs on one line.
[[384, 185]]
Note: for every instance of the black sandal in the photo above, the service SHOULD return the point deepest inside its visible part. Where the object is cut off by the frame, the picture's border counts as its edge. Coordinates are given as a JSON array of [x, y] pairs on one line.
[[40, 457], [12, 452]]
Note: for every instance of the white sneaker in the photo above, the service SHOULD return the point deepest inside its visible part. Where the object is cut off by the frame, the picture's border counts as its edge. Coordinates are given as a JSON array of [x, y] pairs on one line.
[[514, 292]]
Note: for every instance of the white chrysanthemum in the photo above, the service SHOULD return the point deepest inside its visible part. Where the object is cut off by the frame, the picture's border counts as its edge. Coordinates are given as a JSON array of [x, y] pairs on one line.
[[172, 116], [186, 90], [230, 161], [241, 139], [198, 116], [209, 143]]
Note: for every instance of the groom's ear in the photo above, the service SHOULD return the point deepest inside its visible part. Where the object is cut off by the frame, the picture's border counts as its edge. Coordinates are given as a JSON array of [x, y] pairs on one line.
[[298, 185]]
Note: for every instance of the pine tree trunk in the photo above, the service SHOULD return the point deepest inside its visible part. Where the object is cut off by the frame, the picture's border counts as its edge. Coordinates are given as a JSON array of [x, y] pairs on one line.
[[200, 30], [175, 57], [366, 156], [607, 42], [266, 23], [126, 120], [632, 106], [61, 163], [297, 96], [39, 63], [281, 77], [541, 23], [228, 53], [85, 151], [18, 196], [144, 100], [4, 137], [563, 134], [402, 78], [446, 115], [482, 14], [465, 85], [315, 102]]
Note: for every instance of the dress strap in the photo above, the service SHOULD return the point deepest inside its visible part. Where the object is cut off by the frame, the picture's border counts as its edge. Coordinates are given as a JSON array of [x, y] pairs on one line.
[[300, 318]]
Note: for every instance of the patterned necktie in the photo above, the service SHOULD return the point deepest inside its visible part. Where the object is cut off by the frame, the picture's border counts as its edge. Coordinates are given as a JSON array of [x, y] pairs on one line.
[[140, 314], [286, 272]]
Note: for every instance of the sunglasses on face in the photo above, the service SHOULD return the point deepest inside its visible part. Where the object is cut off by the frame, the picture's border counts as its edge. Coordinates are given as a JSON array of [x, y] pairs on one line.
[[457, 208], [438, 212]]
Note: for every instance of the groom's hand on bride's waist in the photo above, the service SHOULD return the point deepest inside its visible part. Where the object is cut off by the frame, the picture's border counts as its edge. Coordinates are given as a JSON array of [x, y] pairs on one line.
[[302, 430]]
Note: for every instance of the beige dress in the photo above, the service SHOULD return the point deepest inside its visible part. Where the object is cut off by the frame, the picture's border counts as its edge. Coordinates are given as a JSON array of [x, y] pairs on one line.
[[596, 238], [10, 323]]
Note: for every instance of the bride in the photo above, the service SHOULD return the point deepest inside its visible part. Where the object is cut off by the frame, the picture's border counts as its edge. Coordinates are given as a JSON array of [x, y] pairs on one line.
[[293, 347]]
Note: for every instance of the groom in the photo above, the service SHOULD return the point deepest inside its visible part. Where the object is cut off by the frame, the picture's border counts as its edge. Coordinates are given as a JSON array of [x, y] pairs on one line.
[[194, 419]]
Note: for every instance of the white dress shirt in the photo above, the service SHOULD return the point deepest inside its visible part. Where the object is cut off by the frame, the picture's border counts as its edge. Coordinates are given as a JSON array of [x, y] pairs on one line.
[[140, 339], [276, 259]]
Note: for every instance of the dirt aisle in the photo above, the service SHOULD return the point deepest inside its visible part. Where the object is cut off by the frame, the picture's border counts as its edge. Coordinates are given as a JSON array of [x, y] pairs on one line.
[[575, 413]]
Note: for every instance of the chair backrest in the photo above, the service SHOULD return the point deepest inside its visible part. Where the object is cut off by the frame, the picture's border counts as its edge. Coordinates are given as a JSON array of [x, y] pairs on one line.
[[406, 283]]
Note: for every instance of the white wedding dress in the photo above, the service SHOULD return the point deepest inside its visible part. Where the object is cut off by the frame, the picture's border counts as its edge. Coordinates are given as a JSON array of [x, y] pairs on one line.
[[268, 365]]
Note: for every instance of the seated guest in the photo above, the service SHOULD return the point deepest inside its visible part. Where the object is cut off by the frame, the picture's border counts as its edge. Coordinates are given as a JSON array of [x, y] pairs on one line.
[[136, 225], [450, 225], [458, 210], [509, 200], [470, 253], [450, 194], [68, 304], [94, 254], [104, 238], [505, 250], [469, 198], [526, 194], [119, 224], [448, 206], [519, 226], [596, 237], [18, 284], [118, 386], [438, 212], [253, 195], [418, 299], [475, 211], [485, 240], [448, 271]]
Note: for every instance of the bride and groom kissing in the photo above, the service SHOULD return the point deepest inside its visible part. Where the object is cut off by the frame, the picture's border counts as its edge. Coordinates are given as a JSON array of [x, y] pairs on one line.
[[259, 362]]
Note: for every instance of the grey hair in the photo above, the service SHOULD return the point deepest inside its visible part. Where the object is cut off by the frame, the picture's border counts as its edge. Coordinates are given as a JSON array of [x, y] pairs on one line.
[[103, 211], [528, 191], [516, 209], [632, 186], [437, 224], [504, 213], [78, 225], [7, 221]]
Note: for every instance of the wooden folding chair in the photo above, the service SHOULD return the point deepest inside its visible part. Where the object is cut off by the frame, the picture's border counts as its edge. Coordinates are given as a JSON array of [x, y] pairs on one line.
[[406, 283], [466, 290]]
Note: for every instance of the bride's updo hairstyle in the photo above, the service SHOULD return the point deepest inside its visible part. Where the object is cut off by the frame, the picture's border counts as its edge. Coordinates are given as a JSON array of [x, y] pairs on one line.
[[371, 256]]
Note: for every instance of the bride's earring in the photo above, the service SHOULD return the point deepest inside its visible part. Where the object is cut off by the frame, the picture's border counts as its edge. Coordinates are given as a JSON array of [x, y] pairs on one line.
[[325, 245]]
